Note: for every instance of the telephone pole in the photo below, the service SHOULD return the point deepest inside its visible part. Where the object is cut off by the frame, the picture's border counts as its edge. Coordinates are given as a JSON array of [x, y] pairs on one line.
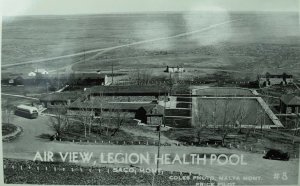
[[112, 73]]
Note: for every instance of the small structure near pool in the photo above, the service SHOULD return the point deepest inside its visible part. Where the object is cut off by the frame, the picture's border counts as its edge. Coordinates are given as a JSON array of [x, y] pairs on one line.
[[290, 103]]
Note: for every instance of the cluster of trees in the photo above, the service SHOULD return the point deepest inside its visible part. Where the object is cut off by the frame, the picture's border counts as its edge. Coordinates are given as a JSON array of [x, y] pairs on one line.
[[225, 116], [108, 120]]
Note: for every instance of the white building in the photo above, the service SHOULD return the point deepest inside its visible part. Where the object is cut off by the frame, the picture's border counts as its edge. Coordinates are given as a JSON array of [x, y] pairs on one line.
[[175, 69], [41, 71], [31, 74], [38, 70], [274, 79]]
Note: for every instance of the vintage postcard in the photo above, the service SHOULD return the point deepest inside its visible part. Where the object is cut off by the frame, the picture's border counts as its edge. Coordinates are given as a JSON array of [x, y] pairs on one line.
[[150, 92]]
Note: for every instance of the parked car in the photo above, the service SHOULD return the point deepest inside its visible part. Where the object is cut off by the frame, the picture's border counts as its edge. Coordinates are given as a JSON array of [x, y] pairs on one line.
[[275, 154]]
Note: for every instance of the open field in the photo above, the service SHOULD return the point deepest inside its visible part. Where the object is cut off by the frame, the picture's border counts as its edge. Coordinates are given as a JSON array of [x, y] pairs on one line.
[[254, 43]]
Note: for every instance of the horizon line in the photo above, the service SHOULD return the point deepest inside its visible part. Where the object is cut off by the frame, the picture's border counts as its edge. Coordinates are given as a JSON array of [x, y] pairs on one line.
[[154, 12]]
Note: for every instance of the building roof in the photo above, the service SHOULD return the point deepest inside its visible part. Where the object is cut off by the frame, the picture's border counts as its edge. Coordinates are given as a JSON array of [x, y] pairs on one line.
[[40, 70], [133, 89], [155, 111], [275, 76], [86, 76], [6, 75], [290, 99], [78, 76], [94, 104], [60, 96]]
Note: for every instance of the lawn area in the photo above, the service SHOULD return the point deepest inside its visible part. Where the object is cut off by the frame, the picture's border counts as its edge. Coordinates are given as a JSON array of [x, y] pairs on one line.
[[130, 133], [63, 175], [8, 129]]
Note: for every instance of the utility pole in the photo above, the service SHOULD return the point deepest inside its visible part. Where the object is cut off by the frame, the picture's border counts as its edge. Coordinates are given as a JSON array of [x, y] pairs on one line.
[[158, 150], [112, 73]]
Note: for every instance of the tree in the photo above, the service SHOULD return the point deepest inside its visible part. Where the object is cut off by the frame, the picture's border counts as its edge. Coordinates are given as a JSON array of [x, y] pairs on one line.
[[86, 114], [232, 117], [7, 111], [59, 122], [119, 118], [202, 121], [142, 77]]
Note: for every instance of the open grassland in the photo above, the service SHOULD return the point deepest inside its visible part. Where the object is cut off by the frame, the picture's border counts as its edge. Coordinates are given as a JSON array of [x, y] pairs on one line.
[[254, 43]]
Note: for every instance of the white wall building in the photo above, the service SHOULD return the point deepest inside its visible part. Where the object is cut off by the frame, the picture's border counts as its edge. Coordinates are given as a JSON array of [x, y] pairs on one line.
[[175, 69]]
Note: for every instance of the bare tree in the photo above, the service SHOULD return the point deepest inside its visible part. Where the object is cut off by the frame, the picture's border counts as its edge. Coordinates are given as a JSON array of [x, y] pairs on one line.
[[120, 119], [232, 116], [116, 119], [7, 111], [202, 120], [86, 118], [91, 113], [86, 114], [141, 77], [59, 122]]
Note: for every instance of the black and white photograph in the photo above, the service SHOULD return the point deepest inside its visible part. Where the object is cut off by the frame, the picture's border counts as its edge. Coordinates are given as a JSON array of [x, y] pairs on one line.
[[150, 92]]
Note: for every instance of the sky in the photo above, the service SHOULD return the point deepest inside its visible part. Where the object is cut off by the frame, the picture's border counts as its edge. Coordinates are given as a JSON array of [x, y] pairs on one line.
[[65, 7]]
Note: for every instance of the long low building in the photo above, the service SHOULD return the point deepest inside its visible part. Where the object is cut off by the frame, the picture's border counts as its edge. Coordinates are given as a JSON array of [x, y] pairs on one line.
[[141, 111], [58, 99], [132, 90]]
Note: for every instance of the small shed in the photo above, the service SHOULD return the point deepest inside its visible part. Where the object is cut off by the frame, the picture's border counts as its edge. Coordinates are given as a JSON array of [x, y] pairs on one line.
[[290, 103]]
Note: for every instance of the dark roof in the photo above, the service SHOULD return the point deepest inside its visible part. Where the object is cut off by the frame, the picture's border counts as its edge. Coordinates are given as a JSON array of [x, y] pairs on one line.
[[83, 104], [275, 76], [129, 89], [85, 76], [290, 99], [10, 76], [60, 96], [159, 110]]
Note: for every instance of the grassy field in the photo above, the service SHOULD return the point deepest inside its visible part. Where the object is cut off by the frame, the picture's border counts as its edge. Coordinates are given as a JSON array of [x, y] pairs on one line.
[[259, 42], [128, 133]]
